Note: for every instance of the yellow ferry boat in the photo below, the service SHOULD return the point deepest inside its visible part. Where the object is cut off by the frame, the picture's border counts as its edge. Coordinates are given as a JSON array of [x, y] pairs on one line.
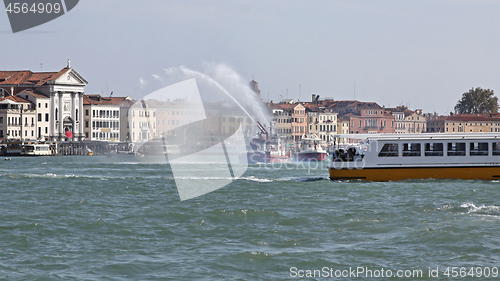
[[390, 157]]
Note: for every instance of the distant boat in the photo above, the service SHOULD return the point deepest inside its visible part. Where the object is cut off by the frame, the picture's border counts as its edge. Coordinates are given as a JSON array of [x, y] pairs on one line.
[[36, 149], [29, 148], [310, 149], [266, 149]]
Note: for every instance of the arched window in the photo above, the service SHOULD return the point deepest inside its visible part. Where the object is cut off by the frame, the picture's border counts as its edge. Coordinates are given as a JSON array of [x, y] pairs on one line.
[[76, 115], [57, 115]]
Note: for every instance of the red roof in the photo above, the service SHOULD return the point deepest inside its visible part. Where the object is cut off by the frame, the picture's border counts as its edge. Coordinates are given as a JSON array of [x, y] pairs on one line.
[[15, 99], [474, 117], [99, 100], [33, 93], [27, 77]]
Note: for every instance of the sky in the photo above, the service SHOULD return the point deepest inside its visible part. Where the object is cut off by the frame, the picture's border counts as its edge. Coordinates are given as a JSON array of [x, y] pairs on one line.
[[423, 54]]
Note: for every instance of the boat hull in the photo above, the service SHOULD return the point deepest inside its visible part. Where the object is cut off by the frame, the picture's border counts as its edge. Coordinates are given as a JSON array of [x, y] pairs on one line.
[[258, 157], [312, 156], [406, 173]]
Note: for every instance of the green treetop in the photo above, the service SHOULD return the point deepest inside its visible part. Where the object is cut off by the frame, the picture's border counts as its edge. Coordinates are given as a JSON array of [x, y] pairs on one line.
[[477, 101]]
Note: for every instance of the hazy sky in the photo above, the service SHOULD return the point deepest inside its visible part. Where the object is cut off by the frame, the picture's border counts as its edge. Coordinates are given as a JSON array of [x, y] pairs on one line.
[[424, 54]]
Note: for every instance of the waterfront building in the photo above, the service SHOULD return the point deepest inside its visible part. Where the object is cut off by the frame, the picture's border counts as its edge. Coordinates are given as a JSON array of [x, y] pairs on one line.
[[282, 123], [408, 121], [313, 120], [125, 106], [17, 118], [142, 120], [327, 124], [435, 123], [364, 117], [171, 115], [299, 121], [102, 117], [343, 128], [370, 122], [41, 104], [322, 122], [64, 90], [399, 121], [415, 122], [472, 123]]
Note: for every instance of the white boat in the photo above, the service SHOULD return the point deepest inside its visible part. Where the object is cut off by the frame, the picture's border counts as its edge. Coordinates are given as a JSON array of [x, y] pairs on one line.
[[420, 156], [310, 149], [36, 149]]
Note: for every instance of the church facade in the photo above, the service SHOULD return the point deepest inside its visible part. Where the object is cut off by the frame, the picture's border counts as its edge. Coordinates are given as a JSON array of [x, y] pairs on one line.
[[57, 98]]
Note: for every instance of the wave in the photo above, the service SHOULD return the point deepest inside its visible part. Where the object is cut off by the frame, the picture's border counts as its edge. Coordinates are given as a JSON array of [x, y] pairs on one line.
[[161, 176], [482, 210], [56, 176]]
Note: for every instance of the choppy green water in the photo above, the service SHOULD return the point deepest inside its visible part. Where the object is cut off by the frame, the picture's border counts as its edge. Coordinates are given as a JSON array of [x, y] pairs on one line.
[[99, 218]]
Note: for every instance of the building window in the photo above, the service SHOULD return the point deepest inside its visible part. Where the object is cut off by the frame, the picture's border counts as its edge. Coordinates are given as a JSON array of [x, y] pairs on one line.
[[1, 121], [46, 117], [86, 112], [39, 117], [86, 123], [46, 105]]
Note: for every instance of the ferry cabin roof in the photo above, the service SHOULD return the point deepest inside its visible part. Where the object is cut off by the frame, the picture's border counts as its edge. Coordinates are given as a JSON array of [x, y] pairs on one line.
[[423, 136]]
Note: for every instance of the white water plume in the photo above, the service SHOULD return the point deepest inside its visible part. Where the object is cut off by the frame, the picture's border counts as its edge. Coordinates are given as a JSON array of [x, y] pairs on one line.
[[213, 118], [223, 79]]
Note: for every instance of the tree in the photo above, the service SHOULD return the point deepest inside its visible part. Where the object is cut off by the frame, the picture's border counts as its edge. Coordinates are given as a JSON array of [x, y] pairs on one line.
[[477, 101]]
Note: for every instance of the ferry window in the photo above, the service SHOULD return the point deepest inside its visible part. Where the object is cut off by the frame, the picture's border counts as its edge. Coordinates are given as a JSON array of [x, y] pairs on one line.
[[478, 148], [389, 150], [434, 149], [411, 149], [456, 149], [496, 148]]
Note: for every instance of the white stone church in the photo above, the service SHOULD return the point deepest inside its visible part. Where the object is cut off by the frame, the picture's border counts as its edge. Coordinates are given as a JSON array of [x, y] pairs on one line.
[[56, 98]]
